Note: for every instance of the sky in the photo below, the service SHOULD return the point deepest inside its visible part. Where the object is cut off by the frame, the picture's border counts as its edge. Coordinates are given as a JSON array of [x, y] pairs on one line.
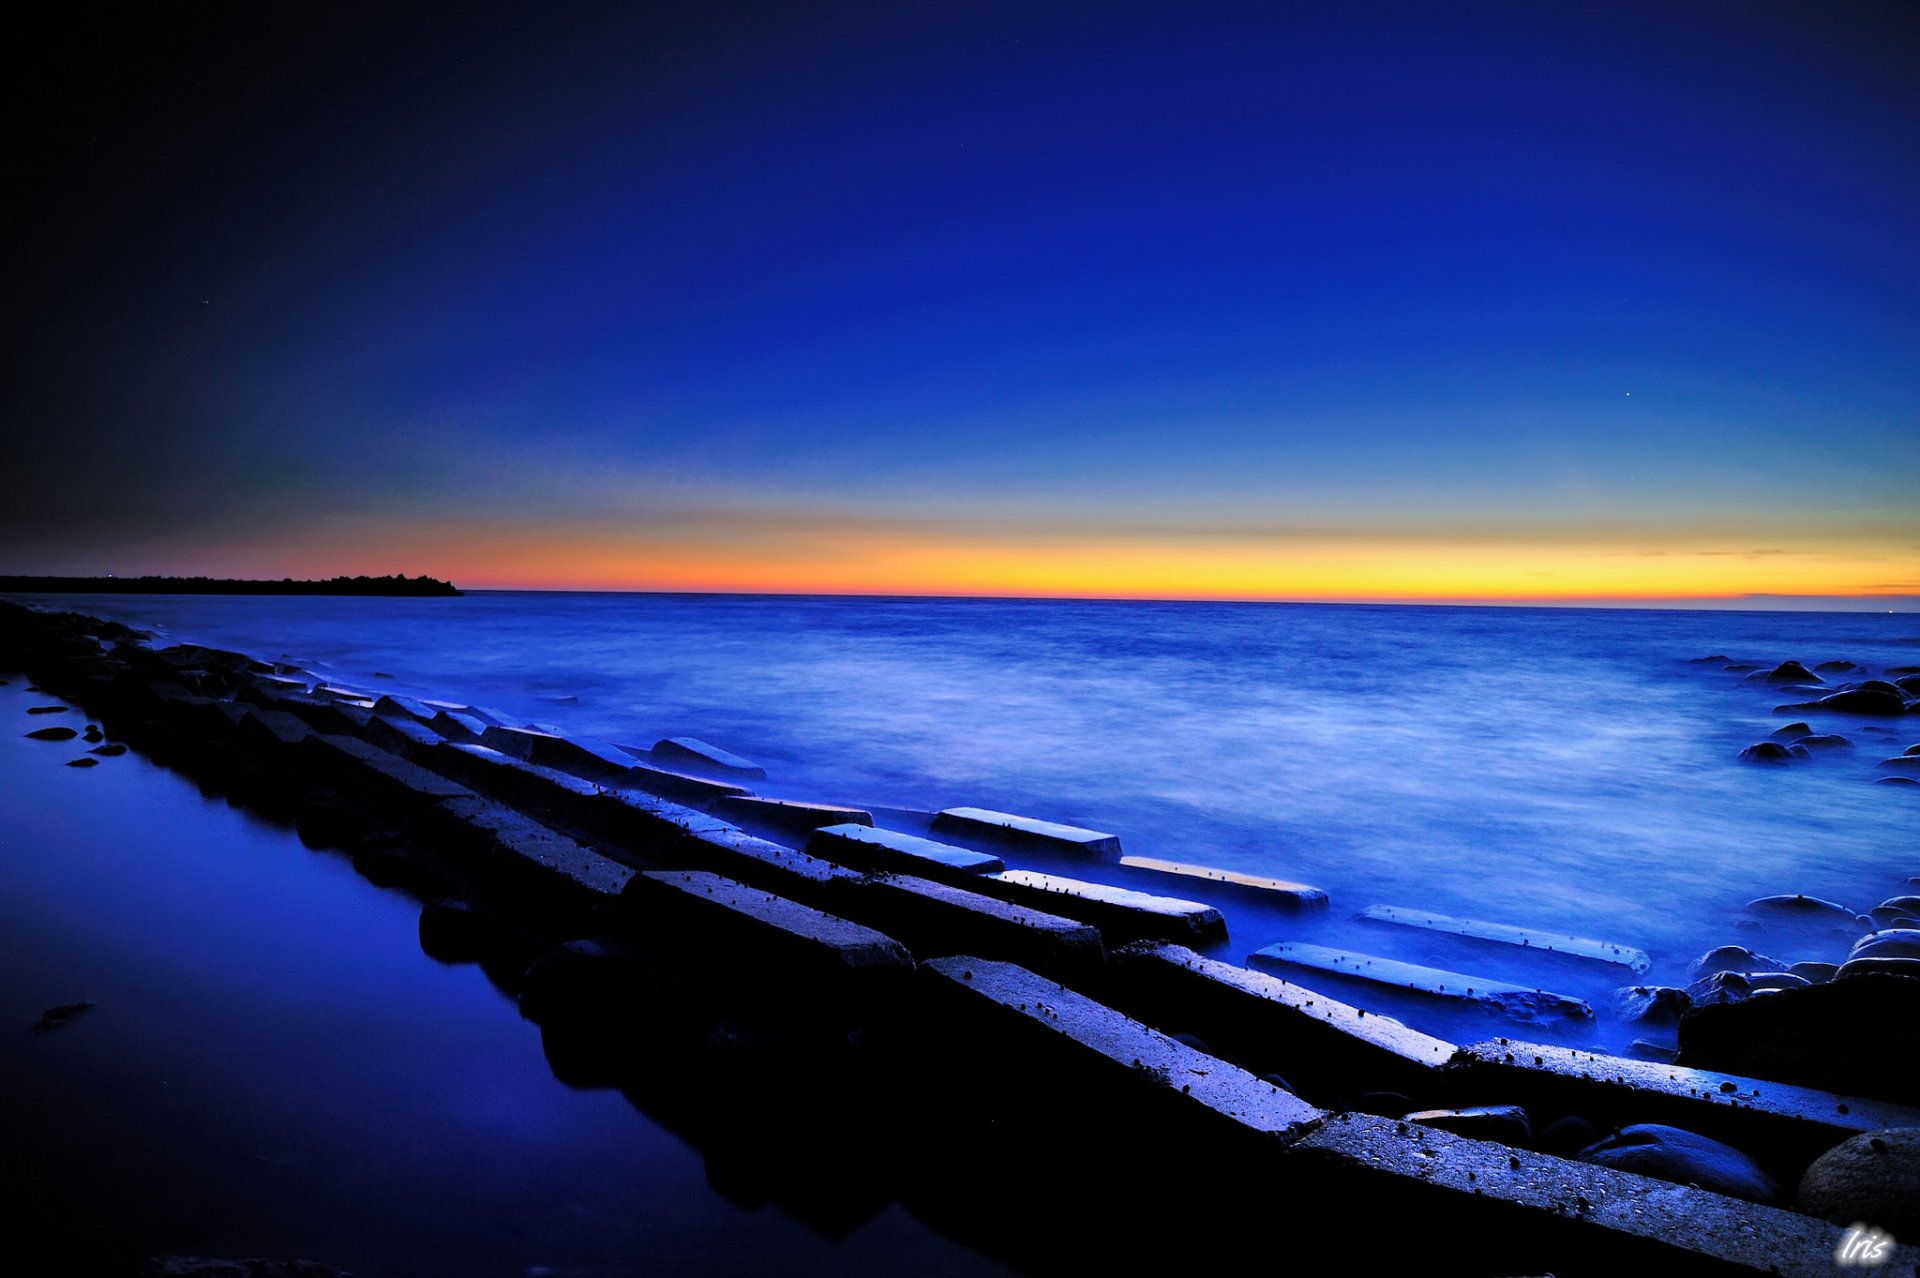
[[1501, 302]]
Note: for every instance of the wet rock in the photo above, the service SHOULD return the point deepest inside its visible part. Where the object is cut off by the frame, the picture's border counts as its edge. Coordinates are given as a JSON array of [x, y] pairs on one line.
[[1877, 685], [1651, 1004], [1874, 1177], [47, 709], [1894, 942], [1910, 684], [1814, 973], [55, 1017], [1792, 732], [1798, 906], [84, 761], [1734, 958], [1507, 1124], [93, 733], [1868, 701], [1567, 1136], [53, 734], [1824, 741], [1835, 667], [1905, 968], [1685, 1158], [1757, 981], [1771, 752], [1896, 781], [1718, 656], [1720, 987], [1858, 1037], [1791, 672], [112, 750]]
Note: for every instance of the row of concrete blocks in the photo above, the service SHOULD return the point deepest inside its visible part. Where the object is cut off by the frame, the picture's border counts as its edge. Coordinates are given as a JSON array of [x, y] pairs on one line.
[[1014, 1022]]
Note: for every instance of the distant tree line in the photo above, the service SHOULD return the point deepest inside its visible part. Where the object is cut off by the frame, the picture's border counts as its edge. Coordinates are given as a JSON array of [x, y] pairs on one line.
[[394, 585]]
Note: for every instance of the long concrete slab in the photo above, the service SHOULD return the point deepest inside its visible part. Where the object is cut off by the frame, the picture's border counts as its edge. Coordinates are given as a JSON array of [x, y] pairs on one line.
[[791, 816], [509, 851], [695, 755], [761, 863], [377, 772], [584, 757], [1528, 1212], [1121, 914], [1282, 894], [1793, 1124], [1516, 1001], [1008, 830], [786, 941], [1274, 1025], [1581, 947], [938, 918], [1019, 1024], [867, 848]]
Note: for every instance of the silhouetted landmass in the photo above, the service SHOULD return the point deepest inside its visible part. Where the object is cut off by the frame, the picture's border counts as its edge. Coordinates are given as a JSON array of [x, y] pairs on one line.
[[395, 585]]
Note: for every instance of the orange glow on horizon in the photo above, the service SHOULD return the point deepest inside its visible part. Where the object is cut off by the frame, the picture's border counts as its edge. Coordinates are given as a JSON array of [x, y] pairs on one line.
[[824, 556]]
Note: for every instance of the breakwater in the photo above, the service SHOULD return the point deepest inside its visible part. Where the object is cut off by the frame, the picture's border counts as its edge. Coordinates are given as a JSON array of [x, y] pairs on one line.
[[868, 1023]]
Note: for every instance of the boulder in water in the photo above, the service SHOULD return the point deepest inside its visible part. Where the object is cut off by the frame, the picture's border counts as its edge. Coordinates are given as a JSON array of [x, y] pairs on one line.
[[1800, 906], [1893, 942], [1685, 1158], [1791, 672], [53, 734], [1734, 958], [1720, 987], [1792, 732], [1871, 1177], [1815, 973], [1772, 752], [1651, 1004], [1868, 701], [1858, 1037], [1835, 667]]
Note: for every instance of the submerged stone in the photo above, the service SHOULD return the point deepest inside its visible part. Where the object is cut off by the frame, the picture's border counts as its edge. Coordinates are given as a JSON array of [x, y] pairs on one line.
[[52, 734], [1791, 672], [1685, 1158], [1580, 947], [1516, 1001], [1651, 1004]]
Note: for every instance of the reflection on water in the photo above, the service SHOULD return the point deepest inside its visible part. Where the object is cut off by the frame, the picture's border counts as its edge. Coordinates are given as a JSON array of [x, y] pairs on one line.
[[273, 1068]]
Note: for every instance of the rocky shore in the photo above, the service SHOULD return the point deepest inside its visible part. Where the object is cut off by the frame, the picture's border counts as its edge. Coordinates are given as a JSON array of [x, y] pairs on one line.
[[839, 1010]]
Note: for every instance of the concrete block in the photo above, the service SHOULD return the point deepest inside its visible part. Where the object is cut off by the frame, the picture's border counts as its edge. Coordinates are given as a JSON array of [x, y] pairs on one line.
[[866, 848], [382, 777], [1782, 1125], [1012, 1023], [937, 918], [784, 941], [735, 854], [1258, 889], [587, 758], [1581, 947], [1008, 830], [1271, 1024], [1121, 914], [788, 815], [694, 755], [1524, 1211], [1515, 1001], [406, 737], [539, 866]]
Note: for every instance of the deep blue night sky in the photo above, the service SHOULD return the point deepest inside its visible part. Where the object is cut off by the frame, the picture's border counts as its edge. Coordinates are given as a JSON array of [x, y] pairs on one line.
[[974, 296]]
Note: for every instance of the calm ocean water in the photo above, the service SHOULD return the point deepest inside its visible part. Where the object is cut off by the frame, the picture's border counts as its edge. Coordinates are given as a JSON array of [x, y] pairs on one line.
[[1560, 768]]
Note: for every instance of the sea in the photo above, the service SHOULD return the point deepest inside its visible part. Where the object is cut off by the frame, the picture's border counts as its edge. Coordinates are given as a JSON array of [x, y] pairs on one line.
[[273, 1066], [1572, 770]]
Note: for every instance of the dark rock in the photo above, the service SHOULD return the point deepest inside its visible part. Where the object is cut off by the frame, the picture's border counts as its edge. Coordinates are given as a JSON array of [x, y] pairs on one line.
[[84, 761], [1877, 685], [1912, 749], [1668, 1153], [1792, 672], [1792, 732], [1275, 1080], [1814, 973], [1896, 781], [1567, 1136], [1824, 741], [1858, 1037], [1734, 958], [1802, 907], [47, 709], [1651, 1004], [1896, 942], [331, 825], [1720, 987], [1873, 1177], [1904, 968], [53, 734], [1835, 667], [1642, 1049], [1768, 752], [1757, 981], [581, 979], [1507, 1124], [1909, 685], [93, 733], [1855, 701], [454, 932], [55, 1017], [1718, 656]]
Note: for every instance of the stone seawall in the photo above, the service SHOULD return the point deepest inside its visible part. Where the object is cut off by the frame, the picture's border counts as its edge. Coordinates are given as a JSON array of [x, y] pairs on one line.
[[841, 1015]]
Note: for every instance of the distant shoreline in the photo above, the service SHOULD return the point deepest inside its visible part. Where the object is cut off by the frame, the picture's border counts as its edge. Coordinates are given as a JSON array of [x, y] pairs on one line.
[[394, 586]]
